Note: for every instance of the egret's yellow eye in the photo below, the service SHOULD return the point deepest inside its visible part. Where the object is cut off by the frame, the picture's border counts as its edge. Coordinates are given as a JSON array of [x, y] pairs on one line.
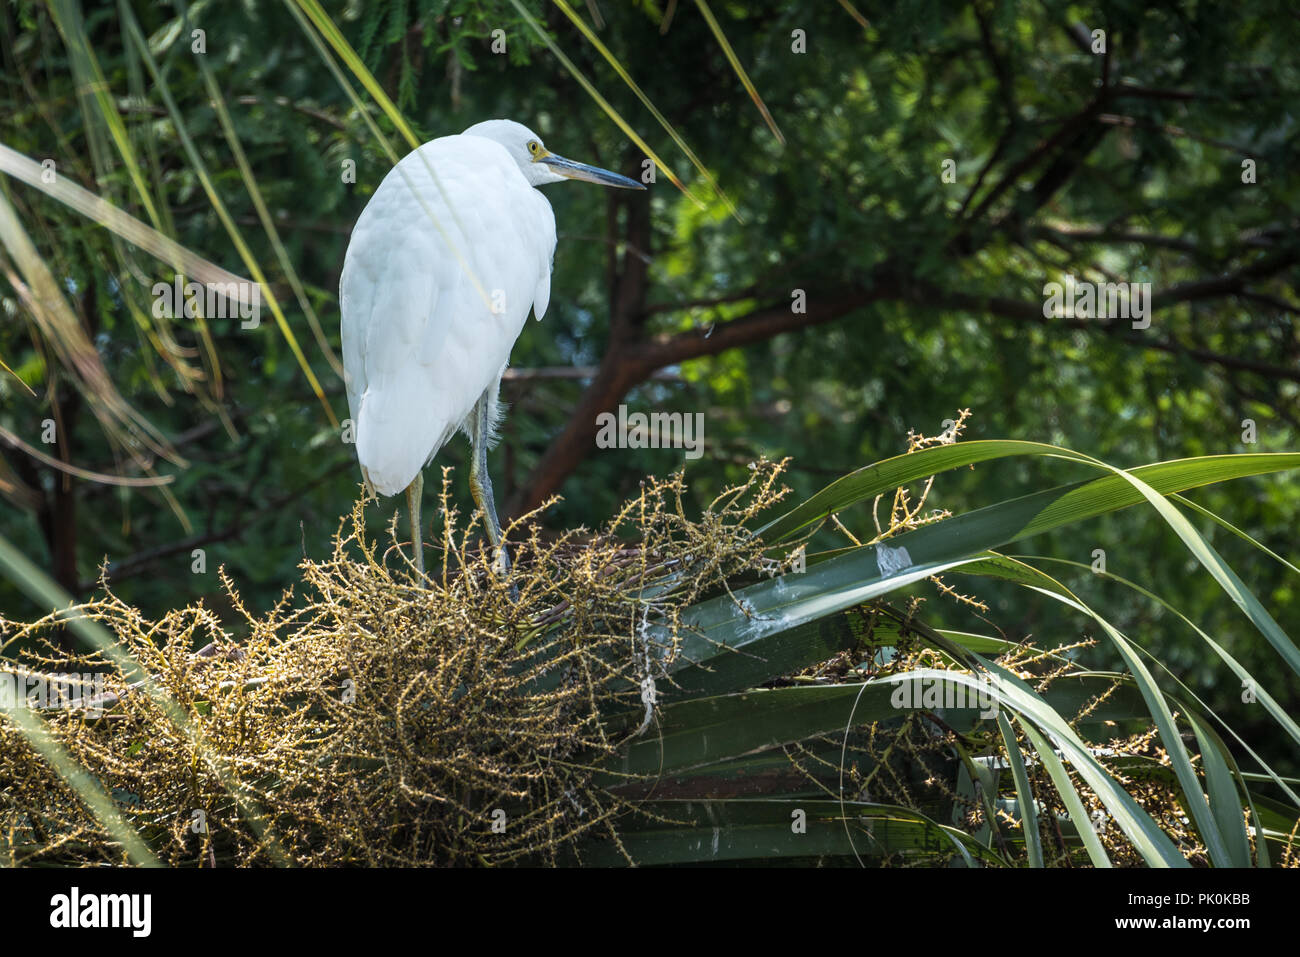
[[534, 148]]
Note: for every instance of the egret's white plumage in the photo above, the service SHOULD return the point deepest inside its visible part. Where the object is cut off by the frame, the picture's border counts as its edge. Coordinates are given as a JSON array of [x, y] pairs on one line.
[[449, 256], [421, 342]]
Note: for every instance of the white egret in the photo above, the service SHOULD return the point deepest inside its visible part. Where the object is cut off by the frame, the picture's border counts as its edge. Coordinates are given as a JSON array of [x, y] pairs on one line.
[[446, 260]]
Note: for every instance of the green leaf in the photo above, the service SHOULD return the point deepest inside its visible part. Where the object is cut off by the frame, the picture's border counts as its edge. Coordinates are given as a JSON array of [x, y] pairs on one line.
[[999, 563], [729, 642], [688, 832], [887, 475], [1225, 802], [1073, 803], [1220, 570], [1024, 793]]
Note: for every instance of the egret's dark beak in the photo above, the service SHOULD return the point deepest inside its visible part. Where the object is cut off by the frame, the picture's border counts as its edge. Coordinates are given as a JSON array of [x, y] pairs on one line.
[[588, 174]]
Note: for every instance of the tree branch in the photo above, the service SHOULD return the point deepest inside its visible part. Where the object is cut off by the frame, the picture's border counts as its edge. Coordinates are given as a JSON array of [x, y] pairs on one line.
[[628, 364]]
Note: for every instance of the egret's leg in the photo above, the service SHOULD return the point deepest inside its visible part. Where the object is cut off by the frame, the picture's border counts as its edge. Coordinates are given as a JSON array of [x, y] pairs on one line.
[[413, 494], [480, 481]]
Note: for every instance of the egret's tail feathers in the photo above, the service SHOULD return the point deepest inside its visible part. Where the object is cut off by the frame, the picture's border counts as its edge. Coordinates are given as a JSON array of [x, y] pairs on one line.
[[396, 439]]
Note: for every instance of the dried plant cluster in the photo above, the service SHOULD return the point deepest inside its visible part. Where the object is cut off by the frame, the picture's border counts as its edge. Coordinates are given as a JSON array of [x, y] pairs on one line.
[[375, 721]]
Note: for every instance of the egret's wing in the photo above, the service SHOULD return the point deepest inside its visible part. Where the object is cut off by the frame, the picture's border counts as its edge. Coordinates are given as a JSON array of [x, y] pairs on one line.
[[541, 240], [422, 339], [542, 295]]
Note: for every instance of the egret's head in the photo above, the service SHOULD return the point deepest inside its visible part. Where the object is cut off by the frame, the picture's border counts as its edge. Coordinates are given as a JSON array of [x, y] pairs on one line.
[[537, 163]]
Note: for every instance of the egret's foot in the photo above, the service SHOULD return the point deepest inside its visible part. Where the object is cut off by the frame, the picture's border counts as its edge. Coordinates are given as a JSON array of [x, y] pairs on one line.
[[501, 568], [502, 563]]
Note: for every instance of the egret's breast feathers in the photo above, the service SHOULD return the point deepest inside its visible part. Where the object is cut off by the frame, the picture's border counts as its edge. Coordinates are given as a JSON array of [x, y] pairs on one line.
[[444, 264]]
